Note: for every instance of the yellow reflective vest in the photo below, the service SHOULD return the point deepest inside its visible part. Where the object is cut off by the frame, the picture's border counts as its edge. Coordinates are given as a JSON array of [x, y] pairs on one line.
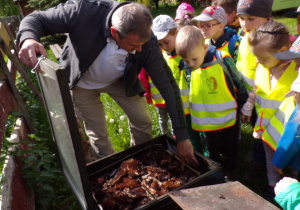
[[180, 78], [157, 98], [267, 101], [275, 128], [213, 107], [246, 63]]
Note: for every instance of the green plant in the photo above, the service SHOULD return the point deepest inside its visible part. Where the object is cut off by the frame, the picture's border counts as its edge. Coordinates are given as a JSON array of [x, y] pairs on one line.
[[8, 8], [41, 170], [43, 175]]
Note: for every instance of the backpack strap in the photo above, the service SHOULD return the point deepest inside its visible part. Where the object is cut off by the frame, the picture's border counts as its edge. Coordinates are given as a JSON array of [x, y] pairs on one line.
[[231, 45], [220, 60]]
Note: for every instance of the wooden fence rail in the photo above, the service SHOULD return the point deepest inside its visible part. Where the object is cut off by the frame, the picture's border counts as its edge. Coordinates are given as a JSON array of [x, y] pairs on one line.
[[15, 193]]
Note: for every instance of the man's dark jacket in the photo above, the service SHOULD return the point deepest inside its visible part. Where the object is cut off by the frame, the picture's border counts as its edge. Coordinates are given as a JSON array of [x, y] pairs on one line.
[[88, 24]]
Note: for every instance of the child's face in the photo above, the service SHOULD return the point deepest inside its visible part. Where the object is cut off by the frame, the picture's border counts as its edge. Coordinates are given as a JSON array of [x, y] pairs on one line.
[[297, 61], [230, 17], [250, 23], [298, 24], [168, 43], [196, 56], [264, 57], [297, 98], [210, 29]]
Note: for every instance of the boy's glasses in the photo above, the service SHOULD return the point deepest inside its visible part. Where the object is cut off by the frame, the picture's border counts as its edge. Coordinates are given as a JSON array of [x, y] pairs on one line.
[[206, 27]]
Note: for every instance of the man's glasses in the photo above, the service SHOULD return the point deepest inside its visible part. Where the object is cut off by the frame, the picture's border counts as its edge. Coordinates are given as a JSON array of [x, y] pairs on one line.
[[206, 27]]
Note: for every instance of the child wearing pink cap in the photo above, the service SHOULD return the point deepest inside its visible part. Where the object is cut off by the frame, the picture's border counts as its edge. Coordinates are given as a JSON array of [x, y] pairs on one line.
[[184, 10]]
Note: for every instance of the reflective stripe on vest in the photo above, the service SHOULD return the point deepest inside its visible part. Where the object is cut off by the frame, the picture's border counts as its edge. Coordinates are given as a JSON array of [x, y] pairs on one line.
[[215, 121], [212, 105], [275, 129], [180, 78], [246, 63], [268, 101], [157, 98]]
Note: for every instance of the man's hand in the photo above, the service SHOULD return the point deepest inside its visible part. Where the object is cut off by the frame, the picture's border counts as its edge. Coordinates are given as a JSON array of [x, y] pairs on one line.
[[186, 153], [29, 50], [283, 183]]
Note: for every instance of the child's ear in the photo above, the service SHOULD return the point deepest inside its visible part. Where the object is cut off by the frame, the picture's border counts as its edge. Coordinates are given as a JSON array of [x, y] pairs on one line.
[[233, 14], [205, 47], [284, 48]]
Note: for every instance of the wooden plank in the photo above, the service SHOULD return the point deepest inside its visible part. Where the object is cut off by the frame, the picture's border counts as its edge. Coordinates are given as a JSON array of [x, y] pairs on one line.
[[232, 195], [16, 92], [4, 35], [7, 104], [56, 49]]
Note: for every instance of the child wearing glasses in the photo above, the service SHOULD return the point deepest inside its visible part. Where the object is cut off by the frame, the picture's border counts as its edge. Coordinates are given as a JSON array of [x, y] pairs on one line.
[[213, 96], [213, 20]]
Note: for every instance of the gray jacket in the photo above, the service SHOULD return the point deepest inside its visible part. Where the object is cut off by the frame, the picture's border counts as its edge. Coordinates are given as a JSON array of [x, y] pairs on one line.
[[88, 24]]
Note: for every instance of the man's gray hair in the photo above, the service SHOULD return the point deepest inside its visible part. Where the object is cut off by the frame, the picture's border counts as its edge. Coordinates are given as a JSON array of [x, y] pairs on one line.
[[133, 18]]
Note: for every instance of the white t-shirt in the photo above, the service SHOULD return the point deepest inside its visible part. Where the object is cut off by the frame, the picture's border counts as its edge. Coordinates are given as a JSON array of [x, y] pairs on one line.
[[108, 67]]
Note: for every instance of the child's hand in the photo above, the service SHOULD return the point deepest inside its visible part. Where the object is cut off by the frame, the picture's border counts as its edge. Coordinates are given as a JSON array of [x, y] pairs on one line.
[[246, 118], [283, 183]]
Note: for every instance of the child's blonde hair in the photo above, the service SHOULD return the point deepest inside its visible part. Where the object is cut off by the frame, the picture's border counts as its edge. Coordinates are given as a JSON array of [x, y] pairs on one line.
[[272, 35], [187, 39]]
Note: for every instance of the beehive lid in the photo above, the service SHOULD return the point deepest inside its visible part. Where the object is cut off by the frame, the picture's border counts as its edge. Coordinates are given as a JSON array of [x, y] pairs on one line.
[[232, 195], [60, 111]]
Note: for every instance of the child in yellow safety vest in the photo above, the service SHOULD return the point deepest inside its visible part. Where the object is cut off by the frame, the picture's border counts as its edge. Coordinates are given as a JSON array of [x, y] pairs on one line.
[[213, 20], [165, 29], [251, 15], [216, 89], [284, 128], [273, 80]]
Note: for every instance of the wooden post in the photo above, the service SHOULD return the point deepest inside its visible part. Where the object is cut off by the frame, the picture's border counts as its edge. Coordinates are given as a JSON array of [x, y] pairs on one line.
[[15, 91], [6, 46]]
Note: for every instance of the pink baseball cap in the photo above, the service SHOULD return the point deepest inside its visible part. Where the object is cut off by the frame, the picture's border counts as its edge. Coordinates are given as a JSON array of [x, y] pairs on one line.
[[211, 13], [295, 87], [182, 10]]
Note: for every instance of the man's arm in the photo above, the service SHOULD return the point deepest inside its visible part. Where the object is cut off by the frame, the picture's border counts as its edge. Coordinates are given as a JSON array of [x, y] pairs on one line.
[[39, 24], [163, 79]]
